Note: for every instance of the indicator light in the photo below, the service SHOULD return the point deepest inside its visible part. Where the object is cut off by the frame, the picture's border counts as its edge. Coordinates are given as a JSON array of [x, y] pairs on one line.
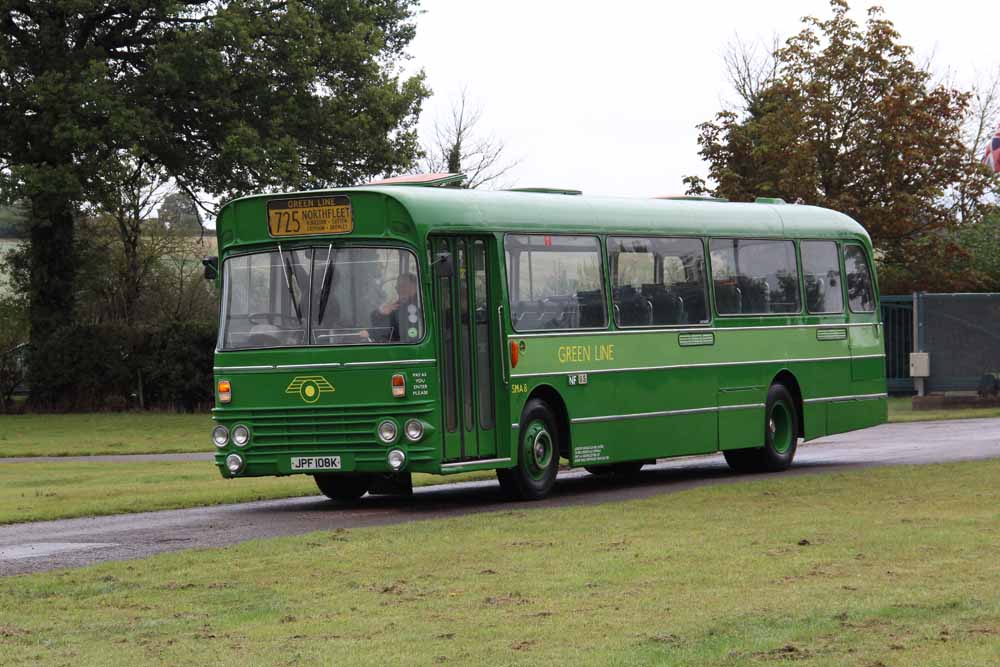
[[225, 391], [398, 386]]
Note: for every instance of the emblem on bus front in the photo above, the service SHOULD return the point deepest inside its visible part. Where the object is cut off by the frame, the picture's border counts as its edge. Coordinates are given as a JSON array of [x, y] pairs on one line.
[[309, 387]]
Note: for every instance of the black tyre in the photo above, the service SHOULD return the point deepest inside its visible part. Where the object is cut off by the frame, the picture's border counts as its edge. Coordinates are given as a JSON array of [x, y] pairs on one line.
[[538, 455], [781, 428], [343, 487]]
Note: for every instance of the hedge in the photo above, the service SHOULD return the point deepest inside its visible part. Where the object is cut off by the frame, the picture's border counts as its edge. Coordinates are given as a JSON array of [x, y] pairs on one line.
[[118, 367]]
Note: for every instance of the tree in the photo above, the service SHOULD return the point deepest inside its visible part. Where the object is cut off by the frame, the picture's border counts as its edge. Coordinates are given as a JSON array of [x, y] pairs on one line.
[[13, 335], [225, 97], [460, 146], [13, 221], [179, 212], [851, 123]]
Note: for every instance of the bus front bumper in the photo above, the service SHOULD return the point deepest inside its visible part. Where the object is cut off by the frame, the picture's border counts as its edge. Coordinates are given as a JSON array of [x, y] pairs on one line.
[[400, 457]]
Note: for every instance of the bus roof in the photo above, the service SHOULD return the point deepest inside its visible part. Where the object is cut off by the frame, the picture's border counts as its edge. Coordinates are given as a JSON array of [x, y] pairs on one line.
[[435, 209]]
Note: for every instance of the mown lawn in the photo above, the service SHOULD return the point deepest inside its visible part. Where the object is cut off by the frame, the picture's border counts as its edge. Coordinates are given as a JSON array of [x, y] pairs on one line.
[[104, 433], [889, 566], [43, 491], [901, 410]]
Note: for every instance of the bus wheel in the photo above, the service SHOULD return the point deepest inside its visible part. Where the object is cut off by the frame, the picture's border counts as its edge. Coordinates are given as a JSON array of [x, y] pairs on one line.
[[538, 455], [343, 487], [780, 436]]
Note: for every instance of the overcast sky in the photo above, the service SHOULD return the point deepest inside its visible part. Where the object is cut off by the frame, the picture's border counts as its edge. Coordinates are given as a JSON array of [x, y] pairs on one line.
[[605, 96]]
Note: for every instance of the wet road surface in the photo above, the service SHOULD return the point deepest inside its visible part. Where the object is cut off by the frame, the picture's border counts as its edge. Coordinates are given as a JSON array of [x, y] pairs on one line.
[[36, 547]]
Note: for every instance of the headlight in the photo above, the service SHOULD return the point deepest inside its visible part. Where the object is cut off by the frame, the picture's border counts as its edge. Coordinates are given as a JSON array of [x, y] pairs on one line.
[[396, 459], [234, 463], [387, 431], [220, 436], [414, 430], [241, 435]]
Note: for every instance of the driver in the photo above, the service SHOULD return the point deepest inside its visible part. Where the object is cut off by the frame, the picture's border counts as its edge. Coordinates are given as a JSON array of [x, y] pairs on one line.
[[398, 320]]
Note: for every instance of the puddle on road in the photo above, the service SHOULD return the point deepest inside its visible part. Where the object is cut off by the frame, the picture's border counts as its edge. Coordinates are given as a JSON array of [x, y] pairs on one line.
[[38, 549]]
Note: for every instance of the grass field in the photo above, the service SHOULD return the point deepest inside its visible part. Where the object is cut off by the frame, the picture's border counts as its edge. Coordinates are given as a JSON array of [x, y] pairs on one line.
[[901, 410], [43, 491], [163, 433], [887, 567], [104, 433]]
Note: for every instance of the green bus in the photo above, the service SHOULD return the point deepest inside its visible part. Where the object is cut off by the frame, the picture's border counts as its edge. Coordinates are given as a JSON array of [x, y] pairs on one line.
[[368, 333]]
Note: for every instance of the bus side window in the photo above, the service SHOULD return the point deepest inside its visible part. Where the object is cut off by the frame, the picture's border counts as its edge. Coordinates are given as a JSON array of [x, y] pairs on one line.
[[860, 293], [821, 275], [658, 281], [755, 276], [555, 282]]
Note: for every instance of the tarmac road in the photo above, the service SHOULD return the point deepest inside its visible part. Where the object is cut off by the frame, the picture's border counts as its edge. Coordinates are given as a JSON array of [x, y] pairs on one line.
[[36, 547]]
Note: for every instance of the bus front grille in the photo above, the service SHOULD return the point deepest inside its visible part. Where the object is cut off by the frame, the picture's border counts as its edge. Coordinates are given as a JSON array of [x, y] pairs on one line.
[[275, 430]]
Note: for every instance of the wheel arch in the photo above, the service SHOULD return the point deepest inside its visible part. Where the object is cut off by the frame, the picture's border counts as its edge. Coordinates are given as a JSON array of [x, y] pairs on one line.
[[554, 400], [786, 378]]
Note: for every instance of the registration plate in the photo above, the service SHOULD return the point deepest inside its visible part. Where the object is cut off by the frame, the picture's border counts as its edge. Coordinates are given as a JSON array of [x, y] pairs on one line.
[[316, 463], [299, 216]]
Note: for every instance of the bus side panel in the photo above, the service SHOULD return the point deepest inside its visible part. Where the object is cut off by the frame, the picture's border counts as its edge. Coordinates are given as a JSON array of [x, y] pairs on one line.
[[741, 396], [596, 443], [815, 417], [635, 407], [845, 416]]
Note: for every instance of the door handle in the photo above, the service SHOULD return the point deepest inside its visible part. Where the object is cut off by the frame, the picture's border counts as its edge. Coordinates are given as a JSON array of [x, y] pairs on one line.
[[503, 345]]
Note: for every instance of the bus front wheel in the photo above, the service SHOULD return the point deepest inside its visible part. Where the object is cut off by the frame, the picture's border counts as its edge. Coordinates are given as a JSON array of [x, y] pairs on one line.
[[781, 430], [538, 455], [343, 487]]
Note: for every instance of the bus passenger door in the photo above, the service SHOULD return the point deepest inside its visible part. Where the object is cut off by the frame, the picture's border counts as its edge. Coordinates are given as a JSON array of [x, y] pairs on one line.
[[465, 295]]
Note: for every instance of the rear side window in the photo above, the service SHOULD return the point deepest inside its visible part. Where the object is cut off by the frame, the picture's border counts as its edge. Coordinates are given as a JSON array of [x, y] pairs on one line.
[[754, 276], [860, 293], [821, 274], [555, 282], [657, 281]]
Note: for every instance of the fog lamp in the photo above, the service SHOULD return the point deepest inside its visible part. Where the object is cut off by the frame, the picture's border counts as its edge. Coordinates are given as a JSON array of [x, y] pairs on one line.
[[241, 435], [234, 462], [387, 431], [220, 436], [396, 459], [414, 430]]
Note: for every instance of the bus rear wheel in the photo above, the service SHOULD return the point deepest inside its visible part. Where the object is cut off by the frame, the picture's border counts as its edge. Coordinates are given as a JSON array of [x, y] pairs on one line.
[[343, 487], [781, 428], [537, 456]]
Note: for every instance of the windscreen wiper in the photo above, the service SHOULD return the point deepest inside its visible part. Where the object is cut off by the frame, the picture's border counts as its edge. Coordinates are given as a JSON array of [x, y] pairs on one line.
[[327, 282], [286, 267]]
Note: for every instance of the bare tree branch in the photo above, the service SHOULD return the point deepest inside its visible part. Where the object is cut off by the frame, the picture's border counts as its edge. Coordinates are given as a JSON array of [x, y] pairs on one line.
[[751, 67], [460, 146]]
